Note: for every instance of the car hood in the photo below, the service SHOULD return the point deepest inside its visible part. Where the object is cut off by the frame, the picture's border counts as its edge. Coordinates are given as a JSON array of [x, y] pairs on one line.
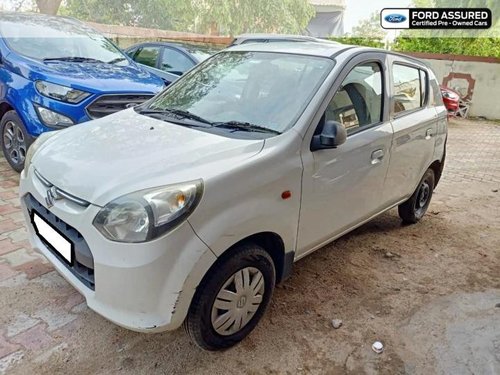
[[94, 77], [101, 160]]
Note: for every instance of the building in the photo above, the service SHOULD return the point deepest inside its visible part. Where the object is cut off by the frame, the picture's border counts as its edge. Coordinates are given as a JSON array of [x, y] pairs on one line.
[[329, 19]]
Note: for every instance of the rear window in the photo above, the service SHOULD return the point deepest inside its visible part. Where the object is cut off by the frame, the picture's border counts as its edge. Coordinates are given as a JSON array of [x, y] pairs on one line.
[[407, 89]]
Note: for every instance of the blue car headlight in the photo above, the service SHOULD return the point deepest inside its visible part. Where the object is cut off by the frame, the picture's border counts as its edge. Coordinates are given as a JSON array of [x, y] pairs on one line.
[[61, 93]]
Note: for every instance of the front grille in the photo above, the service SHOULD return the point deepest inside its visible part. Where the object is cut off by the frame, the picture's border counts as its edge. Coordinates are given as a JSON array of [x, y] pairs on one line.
[[83, 261], [58, 193], [108, 104]]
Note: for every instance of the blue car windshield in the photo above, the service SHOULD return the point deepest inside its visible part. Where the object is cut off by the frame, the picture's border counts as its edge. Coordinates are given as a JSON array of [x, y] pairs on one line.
[[266, 89], [64, 40]]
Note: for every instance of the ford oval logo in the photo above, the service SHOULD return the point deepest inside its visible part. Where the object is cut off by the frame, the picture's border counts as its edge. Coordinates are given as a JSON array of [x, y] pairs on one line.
[[395, 18]]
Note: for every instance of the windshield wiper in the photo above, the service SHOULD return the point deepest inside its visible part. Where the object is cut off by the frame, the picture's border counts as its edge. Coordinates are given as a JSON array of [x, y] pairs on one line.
[[245, 126], [117, 60], [167, 114], [72, 59], [187, 114]]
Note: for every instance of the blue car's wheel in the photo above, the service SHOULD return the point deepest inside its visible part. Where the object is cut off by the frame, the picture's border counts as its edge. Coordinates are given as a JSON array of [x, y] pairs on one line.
[[15, 140]]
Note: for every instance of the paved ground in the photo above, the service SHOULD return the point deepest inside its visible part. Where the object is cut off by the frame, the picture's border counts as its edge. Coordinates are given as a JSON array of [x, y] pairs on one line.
[[427, 291]]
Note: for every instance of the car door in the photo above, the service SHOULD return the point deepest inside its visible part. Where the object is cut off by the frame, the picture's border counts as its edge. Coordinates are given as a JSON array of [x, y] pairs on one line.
[[342, 187], [414, 122], [173, 63]]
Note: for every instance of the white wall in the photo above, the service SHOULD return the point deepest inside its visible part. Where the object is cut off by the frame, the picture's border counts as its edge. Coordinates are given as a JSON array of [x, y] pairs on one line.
[[485, 95]]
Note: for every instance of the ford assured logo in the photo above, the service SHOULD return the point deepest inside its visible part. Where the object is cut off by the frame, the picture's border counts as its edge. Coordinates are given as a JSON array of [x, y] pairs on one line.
[[395, 18]]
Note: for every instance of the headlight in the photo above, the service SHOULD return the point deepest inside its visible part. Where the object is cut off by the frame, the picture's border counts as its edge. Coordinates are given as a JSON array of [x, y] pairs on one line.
[[53, 119], [62, 93], [42, 138], [147, 214]]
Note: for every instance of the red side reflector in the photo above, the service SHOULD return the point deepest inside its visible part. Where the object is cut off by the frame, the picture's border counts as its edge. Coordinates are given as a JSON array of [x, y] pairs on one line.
[[286, 194]]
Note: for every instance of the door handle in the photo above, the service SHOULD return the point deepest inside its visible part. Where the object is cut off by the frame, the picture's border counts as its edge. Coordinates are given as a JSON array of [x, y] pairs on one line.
[[428, 134], [377, 156]]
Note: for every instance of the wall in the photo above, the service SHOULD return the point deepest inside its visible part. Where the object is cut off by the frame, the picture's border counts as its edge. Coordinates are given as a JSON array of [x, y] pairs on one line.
[[125, 36], [475, 78]]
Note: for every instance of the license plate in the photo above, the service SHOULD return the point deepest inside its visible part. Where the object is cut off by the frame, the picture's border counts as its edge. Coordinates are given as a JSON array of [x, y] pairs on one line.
[[52, 237]]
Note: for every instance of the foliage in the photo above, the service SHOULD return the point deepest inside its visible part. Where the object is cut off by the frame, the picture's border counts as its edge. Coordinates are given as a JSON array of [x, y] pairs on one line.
[[358, 41], [252, 16], [202, 16], [456, 42], [367, 33], [489, 47]]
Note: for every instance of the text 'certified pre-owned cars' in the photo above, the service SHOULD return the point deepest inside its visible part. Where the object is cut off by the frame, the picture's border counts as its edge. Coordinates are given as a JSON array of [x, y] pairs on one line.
[[56, 72], [189, 208]]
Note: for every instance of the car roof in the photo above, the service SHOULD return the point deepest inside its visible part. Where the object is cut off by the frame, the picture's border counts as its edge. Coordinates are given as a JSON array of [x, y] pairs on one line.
[[275, 36], [316, 48], [184, 47]]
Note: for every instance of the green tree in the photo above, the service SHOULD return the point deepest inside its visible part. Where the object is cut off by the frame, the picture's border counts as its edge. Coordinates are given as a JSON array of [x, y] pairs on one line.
[[251, 16], [457, 42], [228, 17]]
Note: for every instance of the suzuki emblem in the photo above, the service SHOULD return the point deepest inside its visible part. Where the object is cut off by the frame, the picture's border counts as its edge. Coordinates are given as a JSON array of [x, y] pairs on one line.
[[52, 196]]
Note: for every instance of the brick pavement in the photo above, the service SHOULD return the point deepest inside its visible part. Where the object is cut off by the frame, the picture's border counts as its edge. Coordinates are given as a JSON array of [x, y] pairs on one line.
[[34, 331]]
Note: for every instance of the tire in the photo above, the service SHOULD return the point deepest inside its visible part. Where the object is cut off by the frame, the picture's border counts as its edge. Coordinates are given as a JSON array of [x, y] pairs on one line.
[[210, 327], [416, 206], [15, 140]]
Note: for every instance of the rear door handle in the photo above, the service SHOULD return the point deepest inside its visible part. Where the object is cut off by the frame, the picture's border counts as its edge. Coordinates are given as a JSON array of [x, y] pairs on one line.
[[428, 134], [377, 156]]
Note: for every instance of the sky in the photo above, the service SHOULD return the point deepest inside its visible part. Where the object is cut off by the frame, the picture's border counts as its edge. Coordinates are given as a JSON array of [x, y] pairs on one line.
[[358, 10]]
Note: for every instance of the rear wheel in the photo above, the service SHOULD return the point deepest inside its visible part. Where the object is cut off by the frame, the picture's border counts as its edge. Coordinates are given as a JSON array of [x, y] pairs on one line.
[[231, 299], [15, 140], [415, 208]]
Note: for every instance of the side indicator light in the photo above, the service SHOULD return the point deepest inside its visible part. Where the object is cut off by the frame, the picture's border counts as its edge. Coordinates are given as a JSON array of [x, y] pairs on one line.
[[286, 194]]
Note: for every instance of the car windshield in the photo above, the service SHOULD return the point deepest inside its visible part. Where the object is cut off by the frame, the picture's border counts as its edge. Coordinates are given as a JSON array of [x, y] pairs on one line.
[[65, 40], [266, 89]]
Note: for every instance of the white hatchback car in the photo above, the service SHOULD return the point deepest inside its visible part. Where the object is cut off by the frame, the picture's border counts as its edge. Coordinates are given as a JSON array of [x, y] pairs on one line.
[[191, 207]]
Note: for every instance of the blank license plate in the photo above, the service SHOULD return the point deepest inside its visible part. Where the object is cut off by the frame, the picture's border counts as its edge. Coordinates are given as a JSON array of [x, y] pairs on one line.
[[50, 235]]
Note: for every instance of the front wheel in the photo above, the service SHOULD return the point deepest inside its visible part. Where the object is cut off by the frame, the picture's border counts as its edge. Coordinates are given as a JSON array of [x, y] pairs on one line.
[[414, 208], [231, 299], [15, 140]]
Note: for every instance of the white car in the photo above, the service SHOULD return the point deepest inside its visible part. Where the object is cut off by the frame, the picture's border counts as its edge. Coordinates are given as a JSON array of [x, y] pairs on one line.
[[190, 207]]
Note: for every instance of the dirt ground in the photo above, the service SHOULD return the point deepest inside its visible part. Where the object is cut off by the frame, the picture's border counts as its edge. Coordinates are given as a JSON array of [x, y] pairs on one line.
[[427, 291]]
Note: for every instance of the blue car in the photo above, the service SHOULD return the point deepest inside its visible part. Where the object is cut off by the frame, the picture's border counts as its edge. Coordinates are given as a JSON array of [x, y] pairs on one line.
[[56, 72], [168, 60]]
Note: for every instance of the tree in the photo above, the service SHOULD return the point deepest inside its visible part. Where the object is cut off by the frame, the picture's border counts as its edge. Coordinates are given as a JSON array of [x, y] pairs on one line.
[[227, 17], [48, 6], [457, 42], [251, 16]]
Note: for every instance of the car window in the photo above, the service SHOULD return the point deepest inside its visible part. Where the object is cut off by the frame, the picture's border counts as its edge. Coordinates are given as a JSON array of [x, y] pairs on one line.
[[407, 88], [131, 53], [147, 56], [58, 39], [263, 88], [358, 102], [175, 62]]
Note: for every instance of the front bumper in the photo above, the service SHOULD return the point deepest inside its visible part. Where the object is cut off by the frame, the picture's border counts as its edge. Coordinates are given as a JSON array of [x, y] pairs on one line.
[[143, 287]]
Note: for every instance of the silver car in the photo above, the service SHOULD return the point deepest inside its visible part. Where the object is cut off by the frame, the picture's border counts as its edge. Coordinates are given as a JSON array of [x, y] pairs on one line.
[[189, 208]]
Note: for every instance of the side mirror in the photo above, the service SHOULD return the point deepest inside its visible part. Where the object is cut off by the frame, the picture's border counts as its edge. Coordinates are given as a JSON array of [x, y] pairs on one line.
[[332, 135]]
